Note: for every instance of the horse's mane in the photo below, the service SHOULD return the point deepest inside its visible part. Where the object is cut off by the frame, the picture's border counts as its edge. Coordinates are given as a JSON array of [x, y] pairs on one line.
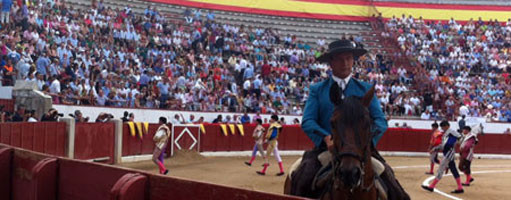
[[352, 111]]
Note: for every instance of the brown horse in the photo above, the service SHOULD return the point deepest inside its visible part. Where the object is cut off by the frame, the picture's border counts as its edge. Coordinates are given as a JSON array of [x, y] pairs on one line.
[[352, 175]]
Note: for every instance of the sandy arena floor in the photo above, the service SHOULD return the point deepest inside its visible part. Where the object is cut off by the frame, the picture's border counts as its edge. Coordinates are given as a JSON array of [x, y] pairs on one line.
[[492, 177]]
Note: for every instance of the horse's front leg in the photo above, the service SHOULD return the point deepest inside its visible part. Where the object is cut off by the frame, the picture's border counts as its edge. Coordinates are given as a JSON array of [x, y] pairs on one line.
[[287, 185]]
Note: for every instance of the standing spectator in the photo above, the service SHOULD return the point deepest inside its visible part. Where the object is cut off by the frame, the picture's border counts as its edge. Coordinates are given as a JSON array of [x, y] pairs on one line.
[[8, 73], [246, 87], [463, 110], [461, 123], [257, 86], [164, 88], [6, 9]]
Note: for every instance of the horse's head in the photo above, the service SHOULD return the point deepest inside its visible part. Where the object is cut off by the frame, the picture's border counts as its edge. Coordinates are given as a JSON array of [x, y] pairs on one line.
[[351, 136]]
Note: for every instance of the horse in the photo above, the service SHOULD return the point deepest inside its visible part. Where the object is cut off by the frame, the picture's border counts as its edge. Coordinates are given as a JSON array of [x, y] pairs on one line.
[[352, 175]]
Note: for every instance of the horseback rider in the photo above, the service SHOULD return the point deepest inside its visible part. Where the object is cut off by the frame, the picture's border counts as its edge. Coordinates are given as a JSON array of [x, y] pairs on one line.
[[318, 110]]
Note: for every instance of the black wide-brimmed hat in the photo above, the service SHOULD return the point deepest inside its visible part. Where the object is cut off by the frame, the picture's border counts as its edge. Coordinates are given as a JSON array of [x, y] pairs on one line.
[[341, 46]]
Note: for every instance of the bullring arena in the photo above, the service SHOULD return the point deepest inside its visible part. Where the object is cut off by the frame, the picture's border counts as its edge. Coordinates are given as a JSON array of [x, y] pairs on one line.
[[409, 170], [84, 83]]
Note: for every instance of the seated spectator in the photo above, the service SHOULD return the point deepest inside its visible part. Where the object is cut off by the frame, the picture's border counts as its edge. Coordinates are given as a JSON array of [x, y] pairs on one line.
[[245, 118], [425, 115], [131, 117], [104, 117], [78, 116], [51, 116], [125, 117], [19, 115], [218, 119], [31, 116]]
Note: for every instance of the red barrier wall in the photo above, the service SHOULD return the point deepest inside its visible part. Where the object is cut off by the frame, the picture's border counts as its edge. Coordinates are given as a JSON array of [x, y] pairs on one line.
[[44, 177], [415, 140], [8, 104], [5, 172], [291, 138], [85, 180], [129, 187], [44, 137], [33, 176], [134, 145], [163, 188], [185, 138], [94, 140]]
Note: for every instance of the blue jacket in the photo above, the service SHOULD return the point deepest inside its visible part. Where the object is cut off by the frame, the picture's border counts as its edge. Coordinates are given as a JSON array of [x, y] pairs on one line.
[[319, 109]]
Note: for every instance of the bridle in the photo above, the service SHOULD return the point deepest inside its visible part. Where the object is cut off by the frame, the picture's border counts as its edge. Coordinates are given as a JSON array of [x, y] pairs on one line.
[[337, 161]]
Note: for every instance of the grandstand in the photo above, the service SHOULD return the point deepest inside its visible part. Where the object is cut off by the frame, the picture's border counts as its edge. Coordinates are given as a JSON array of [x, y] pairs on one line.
[[307, 30]]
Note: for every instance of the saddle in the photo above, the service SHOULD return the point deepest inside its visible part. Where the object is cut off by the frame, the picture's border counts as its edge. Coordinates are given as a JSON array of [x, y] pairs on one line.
[[311, 170], [326, 172]]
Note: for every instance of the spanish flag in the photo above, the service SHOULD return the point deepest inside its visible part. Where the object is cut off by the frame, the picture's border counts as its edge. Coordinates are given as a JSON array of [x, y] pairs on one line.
[[146, 127], [240, 128], [224, 129], [139, 129], [132, 128], [202, 129], [233, 129]]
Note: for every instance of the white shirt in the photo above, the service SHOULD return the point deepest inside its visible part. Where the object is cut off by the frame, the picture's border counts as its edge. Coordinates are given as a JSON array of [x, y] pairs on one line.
[[246, 85], [425, 116], [175, 121], [342, 82], [55, 87], [464, 110]]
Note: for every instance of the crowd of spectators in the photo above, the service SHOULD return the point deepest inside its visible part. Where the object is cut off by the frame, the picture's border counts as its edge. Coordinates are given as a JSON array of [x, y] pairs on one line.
[[464, 68], [118, 58]]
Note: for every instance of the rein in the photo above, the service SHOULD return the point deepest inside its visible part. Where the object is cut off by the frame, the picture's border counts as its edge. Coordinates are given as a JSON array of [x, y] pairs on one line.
[[336, 162]]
